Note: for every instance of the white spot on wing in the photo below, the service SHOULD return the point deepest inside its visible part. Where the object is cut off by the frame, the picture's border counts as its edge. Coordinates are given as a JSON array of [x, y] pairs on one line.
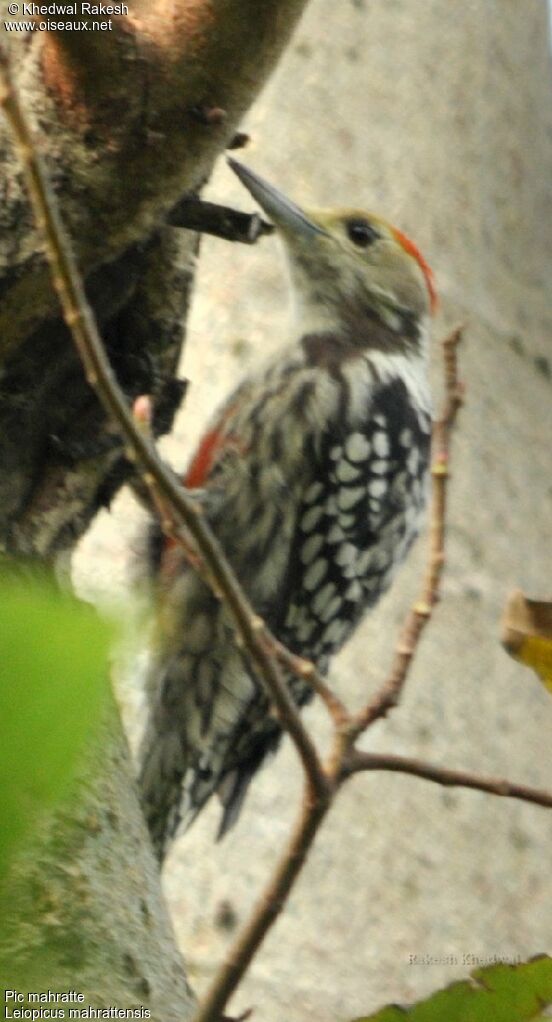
[[322, 599], [315, 574], [331, 505], [335, 631], [346, 472], [377, 487], [357, 447], [347, 498], [364, 561], [311, 547], [313, 492], [331, 609], [413, 461], [346, 554], [371, 583], [336, 534], [380, 443], [354, 592], [311, 518]]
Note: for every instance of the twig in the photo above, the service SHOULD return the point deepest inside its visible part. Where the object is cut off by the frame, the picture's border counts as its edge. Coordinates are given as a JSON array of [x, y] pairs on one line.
[[420, 614], [221, 221], [267, 908], [239, 140], [362, 761], [184, 511]]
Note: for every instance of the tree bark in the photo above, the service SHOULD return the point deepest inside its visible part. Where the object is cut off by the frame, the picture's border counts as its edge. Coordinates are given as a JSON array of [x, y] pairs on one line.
[[83, 909], [128, 123]]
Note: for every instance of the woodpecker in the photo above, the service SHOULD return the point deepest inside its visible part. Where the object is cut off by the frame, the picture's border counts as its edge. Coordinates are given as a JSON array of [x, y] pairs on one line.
[[313, 476]]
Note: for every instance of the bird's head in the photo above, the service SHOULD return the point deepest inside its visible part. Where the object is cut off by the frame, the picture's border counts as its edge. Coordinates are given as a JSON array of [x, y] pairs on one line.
[[352, 271]]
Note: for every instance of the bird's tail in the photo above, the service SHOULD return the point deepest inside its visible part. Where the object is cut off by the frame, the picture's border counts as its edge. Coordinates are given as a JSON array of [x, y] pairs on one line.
[[175, 783], [174, 790], [231, 791], [234, 785], [186, 757], [160, 785]]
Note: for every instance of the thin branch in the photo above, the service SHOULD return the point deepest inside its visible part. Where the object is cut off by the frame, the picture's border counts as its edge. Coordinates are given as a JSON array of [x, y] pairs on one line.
[[362, 761], [267, 908], [420, 614], [221, 221], [185, 513]]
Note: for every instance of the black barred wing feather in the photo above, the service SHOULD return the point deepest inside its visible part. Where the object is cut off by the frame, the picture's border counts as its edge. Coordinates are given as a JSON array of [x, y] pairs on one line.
[[358, 518]]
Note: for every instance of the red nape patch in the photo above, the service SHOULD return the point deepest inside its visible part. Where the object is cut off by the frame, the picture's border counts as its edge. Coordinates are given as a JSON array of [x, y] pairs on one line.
[[414, 251]]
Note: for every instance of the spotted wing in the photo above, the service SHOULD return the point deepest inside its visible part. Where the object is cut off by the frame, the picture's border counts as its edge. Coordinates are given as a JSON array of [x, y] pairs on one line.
[[359, 516]]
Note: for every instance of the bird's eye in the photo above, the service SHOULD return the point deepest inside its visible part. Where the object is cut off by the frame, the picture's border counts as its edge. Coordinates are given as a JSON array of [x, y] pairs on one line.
[[361, 233]]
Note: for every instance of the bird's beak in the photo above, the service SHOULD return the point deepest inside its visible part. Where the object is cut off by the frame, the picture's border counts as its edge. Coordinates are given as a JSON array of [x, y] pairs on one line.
[[287, 217]]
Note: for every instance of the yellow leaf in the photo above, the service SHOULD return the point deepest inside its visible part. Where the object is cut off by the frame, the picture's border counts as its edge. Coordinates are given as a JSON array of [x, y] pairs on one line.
[[527, 634]]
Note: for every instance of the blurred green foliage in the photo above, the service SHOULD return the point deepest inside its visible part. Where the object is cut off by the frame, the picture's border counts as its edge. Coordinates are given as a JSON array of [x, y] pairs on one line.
[[53, 670]]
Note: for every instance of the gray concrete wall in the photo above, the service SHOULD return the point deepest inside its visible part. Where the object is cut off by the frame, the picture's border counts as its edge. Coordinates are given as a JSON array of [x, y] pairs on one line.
[[436, 115]]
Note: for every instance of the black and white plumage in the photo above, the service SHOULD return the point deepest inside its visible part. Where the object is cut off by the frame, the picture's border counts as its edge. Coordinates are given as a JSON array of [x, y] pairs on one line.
[[313, 476]]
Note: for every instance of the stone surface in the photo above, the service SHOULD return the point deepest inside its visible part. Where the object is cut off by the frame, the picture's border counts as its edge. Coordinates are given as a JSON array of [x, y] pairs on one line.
[[438, 117]]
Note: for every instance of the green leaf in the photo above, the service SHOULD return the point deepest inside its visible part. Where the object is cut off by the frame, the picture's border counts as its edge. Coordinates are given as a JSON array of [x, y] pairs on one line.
[[53, 656], [497, 993]]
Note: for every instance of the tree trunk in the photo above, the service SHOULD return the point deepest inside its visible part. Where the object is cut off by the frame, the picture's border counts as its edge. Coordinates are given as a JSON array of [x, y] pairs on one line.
[[128, 122], [83, 909]]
